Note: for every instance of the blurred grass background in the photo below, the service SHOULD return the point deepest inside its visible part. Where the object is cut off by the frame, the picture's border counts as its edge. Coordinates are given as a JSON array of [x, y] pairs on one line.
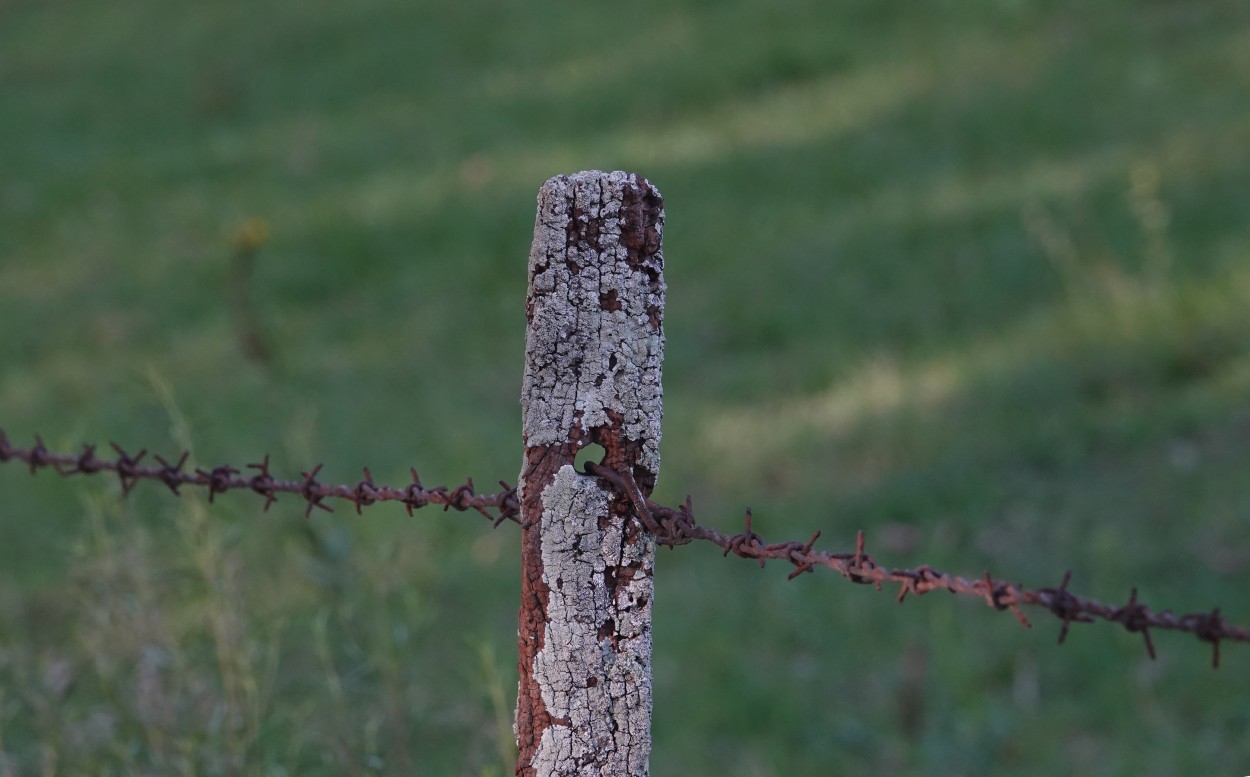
[[971, 277]]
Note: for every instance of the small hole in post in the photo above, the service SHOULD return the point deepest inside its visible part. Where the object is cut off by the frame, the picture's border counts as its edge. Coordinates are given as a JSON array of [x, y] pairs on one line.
[[593, 452]]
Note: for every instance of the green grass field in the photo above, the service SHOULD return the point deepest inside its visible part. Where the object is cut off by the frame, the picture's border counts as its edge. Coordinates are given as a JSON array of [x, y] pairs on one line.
[[971, 277]]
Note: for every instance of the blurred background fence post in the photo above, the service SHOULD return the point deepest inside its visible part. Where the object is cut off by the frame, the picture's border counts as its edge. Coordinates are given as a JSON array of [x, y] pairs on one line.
[[593, 355]]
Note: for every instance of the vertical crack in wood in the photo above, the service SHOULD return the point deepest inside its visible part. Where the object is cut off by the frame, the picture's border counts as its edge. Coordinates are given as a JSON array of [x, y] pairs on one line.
[[594, 351]]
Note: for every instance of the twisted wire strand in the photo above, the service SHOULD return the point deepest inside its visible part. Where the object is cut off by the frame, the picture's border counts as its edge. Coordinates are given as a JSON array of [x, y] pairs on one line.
[[671, 526], [678, 527], [130, 469]]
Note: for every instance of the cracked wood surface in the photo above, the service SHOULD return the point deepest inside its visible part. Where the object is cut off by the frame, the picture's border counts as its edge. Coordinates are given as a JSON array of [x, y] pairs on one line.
[[593, 354]]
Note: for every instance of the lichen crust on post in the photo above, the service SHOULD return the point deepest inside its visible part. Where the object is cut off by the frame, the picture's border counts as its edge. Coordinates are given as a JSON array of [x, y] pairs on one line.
[[595, 665], [594, 351], [595, 342]]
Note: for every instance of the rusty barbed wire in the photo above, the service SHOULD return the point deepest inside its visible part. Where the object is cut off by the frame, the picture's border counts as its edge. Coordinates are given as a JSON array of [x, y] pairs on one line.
[[129, 470], [671, 526], [678, 527]]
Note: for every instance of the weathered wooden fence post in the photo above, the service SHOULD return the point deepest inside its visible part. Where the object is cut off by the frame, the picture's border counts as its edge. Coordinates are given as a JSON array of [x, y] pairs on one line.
[[594, 348]]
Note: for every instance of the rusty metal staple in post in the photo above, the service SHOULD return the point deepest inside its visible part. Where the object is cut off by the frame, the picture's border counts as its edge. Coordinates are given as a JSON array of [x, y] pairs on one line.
[[593, 354]]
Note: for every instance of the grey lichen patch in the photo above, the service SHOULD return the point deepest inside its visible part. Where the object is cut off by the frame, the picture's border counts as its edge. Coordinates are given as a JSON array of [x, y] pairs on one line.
[[594, 346], [595, 663]]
